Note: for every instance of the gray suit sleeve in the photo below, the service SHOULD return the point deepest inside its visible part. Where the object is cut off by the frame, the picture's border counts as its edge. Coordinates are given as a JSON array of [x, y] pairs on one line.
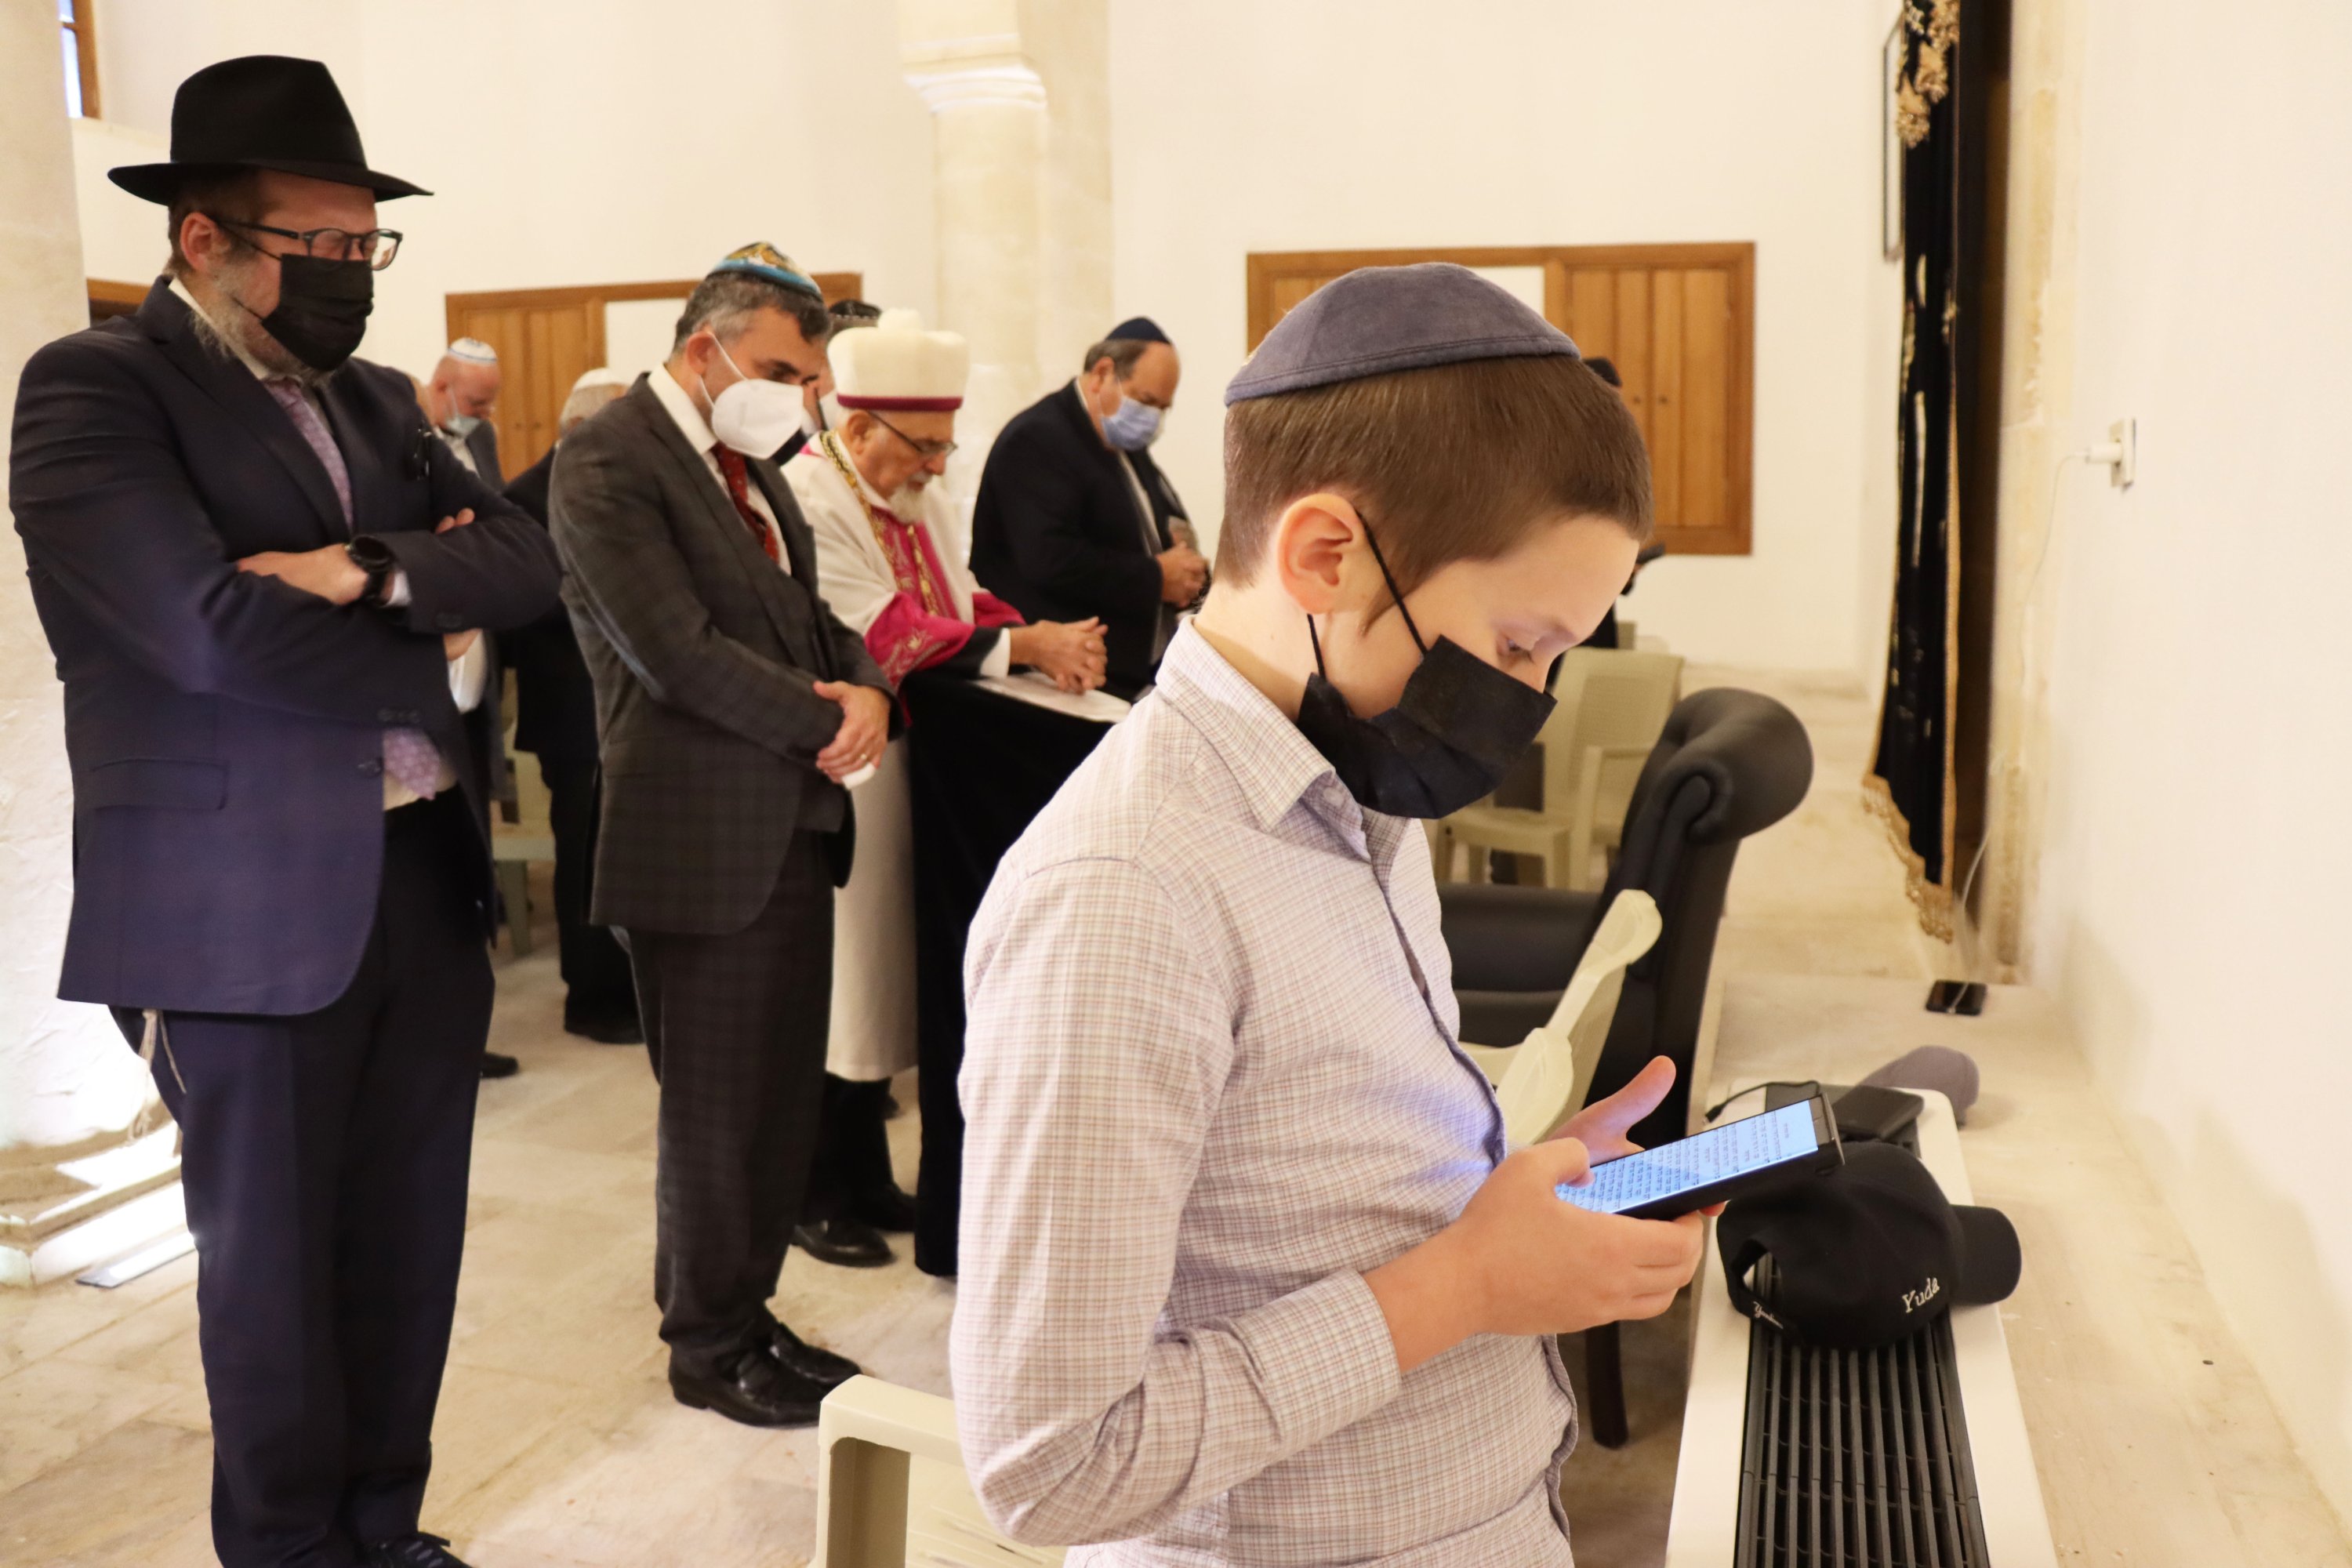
[[631, 584]]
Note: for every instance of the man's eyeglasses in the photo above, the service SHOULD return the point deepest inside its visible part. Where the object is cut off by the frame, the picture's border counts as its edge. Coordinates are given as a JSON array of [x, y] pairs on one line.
[[930, 451], [376, 247]]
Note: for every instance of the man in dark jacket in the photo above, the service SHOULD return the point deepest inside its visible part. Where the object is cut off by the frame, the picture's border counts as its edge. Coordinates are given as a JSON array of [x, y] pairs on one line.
[[735, 710], [255, 566], [555, 719], [1074, 522]]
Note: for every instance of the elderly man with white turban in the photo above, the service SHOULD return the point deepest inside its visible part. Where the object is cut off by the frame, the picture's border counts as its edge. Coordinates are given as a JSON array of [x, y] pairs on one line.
[[892, 551]]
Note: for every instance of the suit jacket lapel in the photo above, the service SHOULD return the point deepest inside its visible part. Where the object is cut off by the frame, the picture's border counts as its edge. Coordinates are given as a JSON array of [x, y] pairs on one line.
[[362, 459], [719, 512], [166, 319]]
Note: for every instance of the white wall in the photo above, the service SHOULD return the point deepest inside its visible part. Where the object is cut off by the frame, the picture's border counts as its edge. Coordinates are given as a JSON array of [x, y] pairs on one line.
[[566, 141], [64, 1073], [2193, 905], [1240, 127]]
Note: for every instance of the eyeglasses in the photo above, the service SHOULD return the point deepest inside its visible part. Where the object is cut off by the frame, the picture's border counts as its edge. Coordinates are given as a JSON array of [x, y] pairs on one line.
[[376, 247], [930, 451]]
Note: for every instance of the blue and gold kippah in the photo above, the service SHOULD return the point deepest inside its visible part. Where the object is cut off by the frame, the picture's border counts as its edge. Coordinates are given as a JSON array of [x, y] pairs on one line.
[[1377, 320], [764, 260]]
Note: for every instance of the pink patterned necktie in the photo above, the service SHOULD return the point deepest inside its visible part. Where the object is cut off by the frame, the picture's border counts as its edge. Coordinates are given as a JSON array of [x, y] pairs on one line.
[[409, 755]]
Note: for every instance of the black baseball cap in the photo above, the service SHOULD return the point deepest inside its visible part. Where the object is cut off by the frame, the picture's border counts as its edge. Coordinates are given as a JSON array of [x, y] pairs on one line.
[[1866, 1254]]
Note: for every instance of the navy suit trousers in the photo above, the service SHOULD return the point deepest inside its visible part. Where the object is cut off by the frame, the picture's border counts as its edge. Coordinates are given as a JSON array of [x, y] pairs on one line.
[[324, 1158]]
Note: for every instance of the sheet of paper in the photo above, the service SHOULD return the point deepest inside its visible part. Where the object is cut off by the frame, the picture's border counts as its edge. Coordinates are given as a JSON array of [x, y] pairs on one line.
[[1096, 707]]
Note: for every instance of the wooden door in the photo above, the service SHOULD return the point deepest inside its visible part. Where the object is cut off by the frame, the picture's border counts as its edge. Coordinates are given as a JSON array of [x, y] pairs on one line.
[[543, 347], [546, 337], [1676, 323], [1678, 320]]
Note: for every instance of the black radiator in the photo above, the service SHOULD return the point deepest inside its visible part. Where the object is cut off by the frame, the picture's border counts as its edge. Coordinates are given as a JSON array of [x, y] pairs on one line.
[[1856, 1458]]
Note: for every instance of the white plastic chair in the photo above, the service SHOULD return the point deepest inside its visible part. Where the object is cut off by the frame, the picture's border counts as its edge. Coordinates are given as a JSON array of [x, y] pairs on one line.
[[891, 1487], [1542, 1080], [1613, 706]]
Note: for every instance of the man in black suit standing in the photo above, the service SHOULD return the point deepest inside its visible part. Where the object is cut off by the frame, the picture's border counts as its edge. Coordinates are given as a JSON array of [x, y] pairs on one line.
[[1074, 522], [458, 402], [555, 719], [734, 707], [462, 399], [255, 563]]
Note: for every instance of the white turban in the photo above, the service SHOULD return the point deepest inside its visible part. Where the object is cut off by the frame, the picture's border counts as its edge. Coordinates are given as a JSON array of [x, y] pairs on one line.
[[895, 364]]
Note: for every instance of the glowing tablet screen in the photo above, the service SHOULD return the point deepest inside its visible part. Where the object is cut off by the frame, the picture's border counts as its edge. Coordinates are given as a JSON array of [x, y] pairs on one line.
[[1752, 1143]]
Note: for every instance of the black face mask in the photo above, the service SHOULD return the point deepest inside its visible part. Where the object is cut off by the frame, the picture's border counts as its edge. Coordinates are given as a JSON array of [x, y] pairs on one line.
[[322, 309], [1455, 732], [791, 448]]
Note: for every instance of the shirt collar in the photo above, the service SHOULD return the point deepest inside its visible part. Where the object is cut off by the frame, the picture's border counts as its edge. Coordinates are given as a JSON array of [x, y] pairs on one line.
[[260, 372], [1275, 766], [680, 405]]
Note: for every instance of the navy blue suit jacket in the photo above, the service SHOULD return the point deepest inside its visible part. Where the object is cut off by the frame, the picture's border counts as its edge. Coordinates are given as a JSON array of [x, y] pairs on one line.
[[225, 728]]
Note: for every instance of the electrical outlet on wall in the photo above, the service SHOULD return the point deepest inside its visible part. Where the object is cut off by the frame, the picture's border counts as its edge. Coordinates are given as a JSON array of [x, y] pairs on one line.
[[2123, 440]]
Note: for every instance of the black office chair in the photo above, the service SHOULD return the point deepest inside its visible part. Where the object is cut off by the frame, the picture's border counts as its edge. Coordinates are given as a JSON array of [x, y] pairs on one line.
[[1730, 763]]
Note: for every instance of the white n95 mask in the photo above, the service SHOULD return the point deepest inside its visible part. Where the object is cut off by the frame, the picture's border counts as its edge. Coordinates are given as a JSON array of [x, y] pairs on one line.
[[755, 417]]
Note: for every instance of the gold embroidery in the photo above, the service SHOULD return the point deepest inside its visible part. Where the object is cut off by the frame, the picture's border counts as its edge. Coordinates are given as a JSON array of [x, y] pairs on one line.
[[832, 444]]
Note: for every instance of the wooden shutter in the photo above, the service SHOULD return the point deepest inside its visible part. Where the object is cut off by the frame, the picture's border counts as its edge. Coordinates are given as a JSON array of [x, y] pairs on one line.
[[546, 337], [1678, 321]]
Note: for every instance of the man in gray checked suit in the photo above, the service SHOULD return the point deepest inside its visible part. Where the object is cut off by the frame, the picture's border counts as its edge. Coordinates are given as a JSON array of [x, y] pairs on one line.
[[732, 705]]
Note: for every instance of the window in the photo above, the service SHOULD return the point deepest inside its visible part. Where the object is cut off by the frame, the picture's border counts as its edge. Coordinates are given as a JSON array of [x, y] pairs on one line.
[[77, 36]]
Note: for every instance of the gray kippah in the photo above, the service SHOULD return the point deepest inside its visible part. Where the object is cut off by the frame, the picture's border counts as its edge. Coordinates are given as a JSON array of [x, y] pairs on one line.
[[1376, 320]]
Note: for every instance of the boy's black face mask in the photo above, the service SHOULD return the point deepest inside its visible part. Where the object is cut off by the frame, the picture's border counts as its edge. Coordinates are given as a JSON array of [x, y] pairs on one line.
[[1455, 730]]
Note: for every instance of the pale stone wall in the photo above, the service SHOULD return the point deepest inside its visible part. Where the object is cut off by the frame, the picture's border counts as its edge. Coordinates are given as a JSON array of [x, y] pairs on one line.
[[65, 1074], [1019, 98]]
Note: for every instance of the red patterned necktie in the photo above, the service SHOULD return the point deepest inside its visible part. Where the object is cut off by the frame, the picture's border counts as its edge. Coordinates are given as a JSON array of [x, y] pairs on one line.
[[737, 476]]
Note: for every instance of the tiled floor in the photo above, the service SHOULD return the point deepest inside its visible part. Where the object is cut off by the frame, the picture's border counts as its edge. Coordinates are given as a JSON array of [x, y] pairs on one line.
[[557, 1442]]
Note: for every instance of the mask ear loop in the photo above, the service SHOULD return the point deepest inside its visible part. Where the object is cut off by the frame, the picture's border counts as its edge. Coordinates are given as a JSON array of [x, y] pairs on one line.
[[1388, 577]]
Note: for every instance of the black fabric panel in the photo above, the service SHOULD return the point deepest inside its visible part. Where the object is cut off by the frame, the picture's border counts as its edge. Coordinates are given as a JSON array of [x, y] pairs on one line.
[[980, 766], [1914, 756]]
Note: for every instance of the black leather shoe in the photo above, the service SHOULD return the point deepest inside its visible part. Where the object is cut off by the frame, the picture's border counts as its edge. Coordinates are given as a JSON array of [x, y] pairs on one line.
[[813, 1363], [416, 1550], [755, 1389], [844, 1242], [605, 1028], [496, 1065], [885, 1209]]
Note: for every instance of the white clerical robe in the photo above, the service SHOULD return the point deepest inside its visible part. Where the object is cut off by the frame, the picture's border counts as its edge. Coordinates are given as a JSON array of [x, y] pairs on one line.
[[873, 1033]]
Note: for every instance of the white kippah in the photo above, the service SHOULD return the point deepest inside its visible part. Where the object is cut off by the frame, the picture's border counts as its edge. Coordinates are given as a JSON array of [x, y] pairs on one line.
[[473, 350], [895, 364], [602, 375]]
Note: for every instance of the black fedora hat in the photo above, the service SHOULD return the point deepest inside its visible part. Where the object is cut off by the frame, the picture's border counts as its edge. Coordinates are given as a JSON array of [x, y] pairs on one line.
[[261, 111]]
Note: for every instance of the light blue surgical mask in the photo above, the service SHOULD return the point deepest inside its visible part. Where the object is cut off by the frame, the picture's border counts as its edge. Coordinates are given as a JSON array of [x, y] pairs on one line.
[[461, 425], [1132, 425]]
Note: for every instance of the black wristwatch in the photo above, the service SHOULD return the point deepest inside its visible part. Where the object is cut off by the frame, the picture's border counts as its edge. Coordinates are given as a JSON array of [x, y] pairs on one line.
[[374, 557]]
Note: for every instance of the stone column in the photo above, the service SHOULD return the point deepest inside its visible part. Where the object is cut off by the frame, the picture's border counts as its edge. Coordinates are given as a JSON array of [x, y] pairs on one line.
[[67, 1085], [988, 141], [1018, 92], [2037, 412]]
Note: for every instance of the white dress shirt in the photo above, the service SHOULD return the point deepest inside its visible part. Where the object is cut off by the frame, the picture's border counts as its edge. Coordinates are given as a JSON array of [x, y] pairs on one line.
[[1212, 1074], [697, 431]]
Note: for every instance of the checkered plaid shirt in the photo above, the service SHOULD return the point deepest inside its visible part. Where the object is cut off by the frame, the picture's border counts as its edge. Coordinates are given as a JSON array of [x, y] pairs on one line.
[[1212, 1076]]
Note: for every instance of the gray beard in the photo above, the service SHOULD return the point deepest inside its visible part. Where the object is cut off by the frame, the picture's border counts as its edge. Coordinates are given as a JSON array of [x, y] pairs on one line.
[[243, 332]]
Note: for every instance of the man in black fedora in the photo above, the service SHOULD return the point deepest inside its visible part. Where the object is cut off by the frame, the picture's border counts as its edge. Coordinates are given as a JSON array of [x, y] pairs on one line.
[[257, 567]]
